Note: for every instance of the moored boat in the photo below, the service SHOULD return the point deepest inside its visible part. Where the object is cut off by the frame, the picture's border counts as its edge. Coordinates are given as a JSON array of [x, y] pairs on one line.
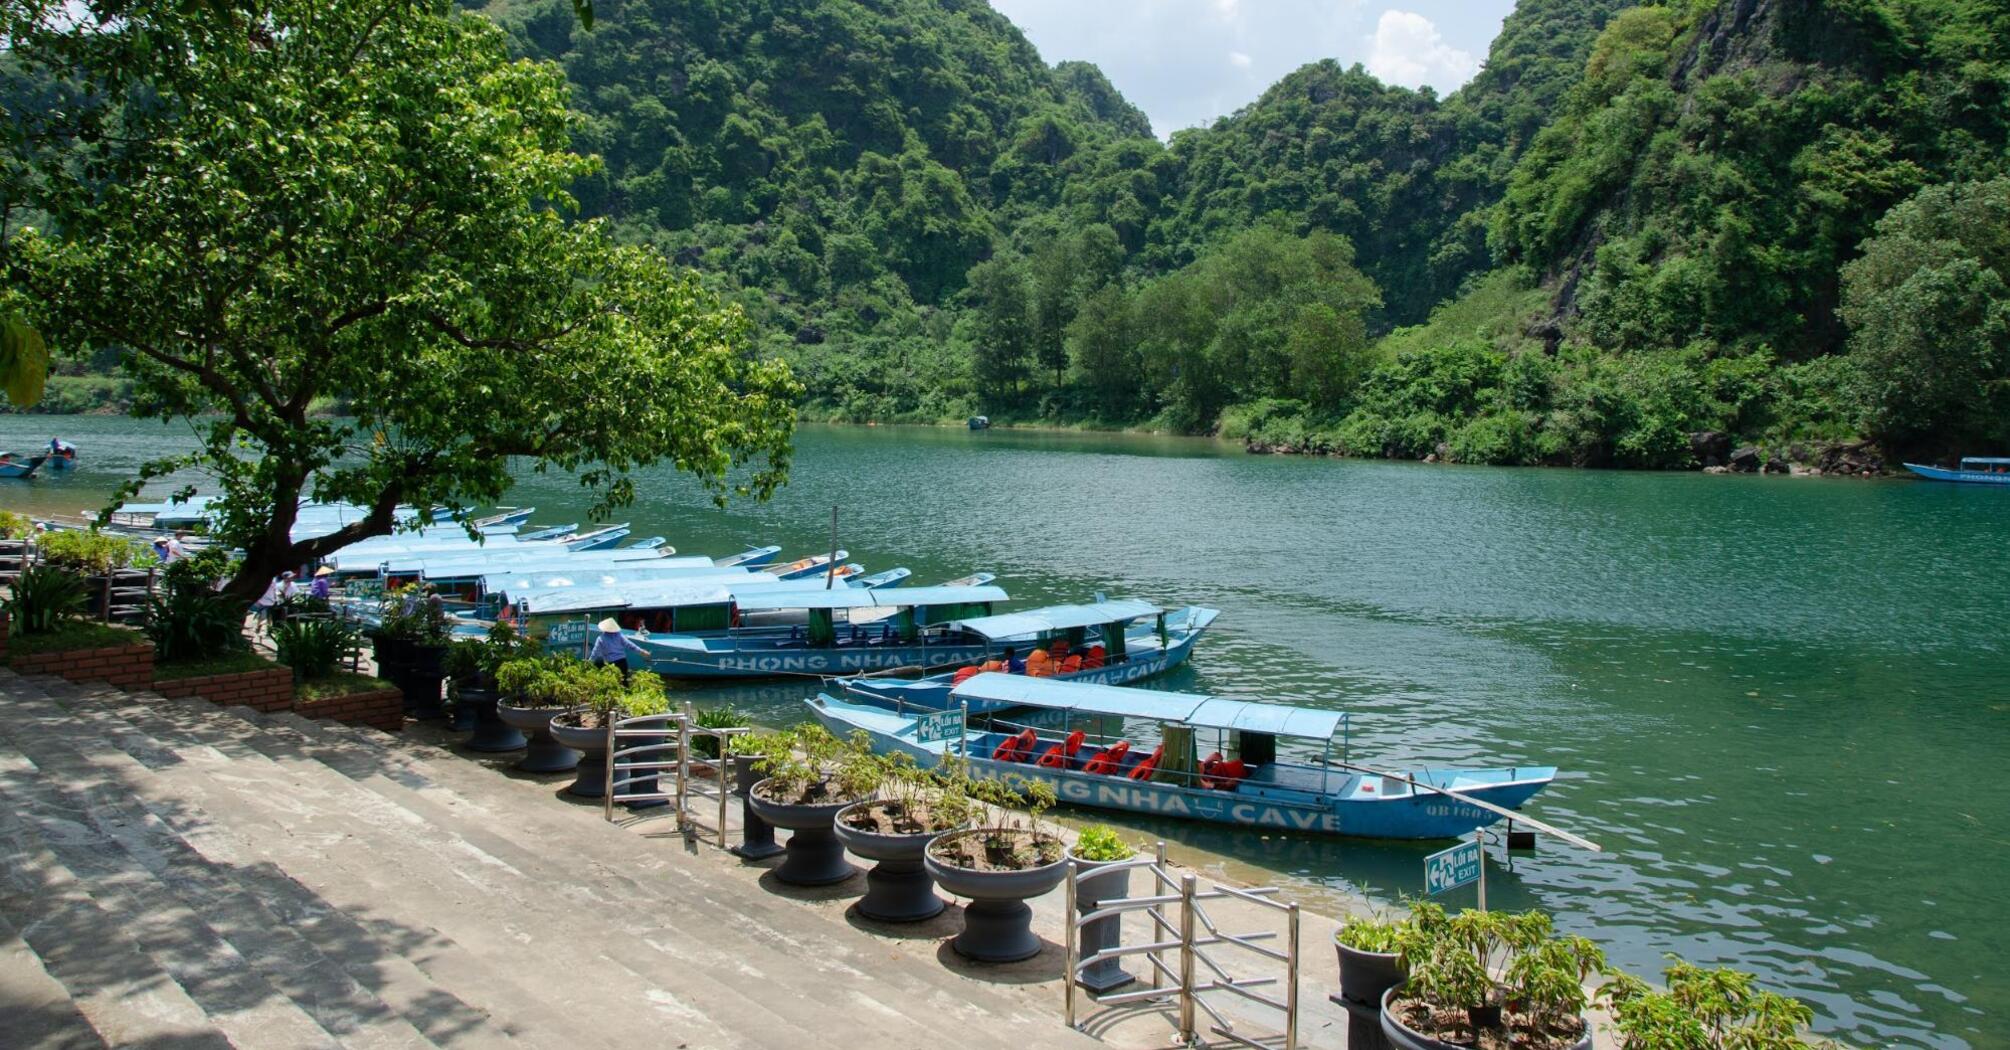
[[804, 568], [1974, 470], [752, 557], [1116, 642], [881, 629], [1252, 787], [882, 580]]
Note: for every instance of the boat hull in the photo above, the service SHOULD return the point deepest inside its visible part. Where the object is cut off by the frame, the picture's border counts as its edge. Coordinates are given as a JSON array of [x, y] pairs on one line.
[[1358, 808], [23, 469], [933, 693], [709, 661], [1964, 477]]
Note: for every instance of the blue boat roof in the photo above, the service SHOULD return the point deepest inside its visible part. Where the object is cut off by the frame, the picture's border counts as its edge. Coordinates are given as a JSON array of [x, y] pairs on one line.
[[770, 598], [1994, 461], [1206, 712], [1057, 618], [588, 599]]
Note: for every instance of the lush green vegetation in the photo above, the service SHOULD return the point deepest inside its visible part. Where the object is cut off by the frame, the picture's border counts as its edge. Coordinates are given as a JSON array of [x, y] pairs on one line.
[[1638, 223], [1632, 226]]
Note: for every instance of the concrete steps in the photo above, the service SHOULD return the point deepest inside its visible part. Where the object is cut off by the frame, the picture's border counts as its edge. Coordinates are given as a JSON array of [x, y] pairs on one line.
[[179, 875]]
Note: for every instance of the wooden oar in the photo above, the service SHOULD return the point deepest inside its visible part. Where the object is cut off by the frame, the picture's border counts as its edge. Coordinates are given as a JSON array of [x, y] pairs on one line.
[[1471, 801]]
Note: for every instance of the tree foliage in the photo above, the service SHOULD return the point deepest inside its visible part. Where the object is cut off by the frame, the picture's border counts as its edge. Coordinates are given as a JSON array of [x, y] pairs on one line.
[[308, 200]]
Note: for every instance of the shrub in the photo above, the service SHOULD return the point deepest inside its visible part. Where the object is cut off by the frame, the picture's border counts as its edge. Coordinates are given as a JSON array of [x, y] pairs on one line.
[[314, 647], [1704, 1010], [44, 598], [188, 624], [1100, 842], [88, 553], [15, 526], [714, 718], [1371, 934]]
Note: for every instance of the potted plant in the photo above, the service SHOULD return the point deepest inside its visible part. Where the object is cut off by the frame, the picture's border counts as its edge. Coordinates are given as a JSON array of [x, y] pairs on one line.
[[1453, 998], [999, 868], [1704, 1010], [1371, 962], [465, 681], [598, 697], [1096, 849], [802, 791], [757, 836], [491, 733], [533, 690], [893, 829], [422, 625]]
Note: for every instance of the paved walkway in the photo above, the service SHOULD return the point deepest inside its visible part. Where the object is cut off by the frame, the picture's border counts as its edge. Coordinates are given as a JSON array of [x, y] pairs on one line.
[[178, 875]]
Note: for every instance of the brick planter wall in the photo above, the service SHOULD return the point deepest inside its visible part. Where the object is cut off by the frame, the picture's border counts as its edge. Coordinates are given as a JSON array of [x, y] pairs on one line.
[[125, 666], [379, 709], [267, 690]]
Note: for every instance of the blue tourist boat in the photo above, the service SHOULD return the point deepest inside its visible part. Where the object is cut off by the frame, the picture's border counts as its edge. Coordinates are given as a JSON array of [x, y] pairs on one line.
[[550, 532], [12, 466], [601, 538], [975, 579], [1138, 640], [1254, 786], [880, 630], [882, 580], [804, 568], [1974, 470], [752, 557]]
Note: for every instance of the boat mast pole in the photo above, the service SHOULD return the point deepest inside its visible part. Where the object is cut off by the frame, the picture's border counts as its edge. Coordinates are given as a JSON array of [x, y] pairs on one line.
[[830, 571]]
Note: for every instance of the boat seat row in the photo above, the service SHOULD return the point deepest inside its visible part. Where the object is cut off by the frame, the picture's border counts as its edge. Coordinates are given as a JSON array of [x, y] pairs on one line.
[[1215, 773]]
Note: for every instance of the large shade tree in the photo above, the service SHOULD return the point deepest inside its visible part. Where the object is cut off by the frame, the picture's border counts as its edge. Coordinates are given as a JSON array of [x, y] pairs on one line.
[[281, 206]]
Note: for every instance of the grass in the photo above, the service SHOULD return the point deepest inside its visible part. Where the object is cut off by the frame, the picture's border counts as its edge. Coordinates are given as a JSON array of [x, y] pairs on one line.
[[337, 685], [228, 663], [77, 634]]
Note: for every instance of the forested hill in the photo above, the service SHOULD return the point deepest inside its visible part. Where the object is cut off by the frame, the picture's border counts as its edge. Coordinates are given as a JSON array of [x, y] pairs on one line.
[[1640, 235]]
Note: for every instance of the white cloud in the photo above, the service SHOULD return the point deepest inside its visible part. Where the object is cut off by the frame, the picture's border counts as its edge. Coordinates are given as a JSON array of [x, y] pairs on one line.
[[1407, 49], [1225, 8], [1238, 60]]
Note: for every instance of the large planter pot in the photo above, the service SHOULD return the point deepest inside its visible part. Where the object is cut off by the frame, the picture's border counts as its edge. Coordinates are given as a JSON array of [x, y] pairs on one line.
[[591, 781], [647, 784], [897, 888], [393, 657], [997, 924], [815, 856], [1366, 976], [757, 836], [422, 695], [1102, 934], [467, 700], [491, 734], [546, 755], [1403, 1037]]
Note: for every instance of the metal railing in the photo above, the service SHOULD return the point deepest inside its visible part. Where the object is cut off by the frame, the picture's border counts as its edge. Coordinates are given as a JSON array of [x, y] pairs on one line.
[[642, 749], [1192, 933]]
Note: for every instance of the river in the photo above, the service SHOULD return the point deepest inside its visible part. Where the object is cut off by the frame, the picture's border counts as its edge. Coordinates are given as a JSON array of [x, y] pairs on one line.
[[1780, 703]]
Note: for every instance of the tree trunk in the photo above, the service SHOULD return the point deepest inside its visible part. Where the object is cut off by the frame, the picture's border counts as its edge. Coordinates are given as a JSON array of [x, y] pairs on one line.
[[270, 554]]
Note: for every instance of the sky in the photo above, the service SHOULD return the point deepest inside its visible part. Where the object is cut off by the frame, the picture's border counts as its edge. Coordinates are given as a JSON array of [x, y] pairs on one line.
[[1186, 62]]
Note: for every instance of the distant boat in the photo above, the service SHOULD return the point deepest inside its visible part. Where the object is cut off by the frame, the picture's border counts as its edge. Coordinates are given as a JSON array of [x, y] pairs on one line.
[[1139, 640], [1088, 760], [975, 579], [63, 458], [980, 422], [803, 568], [19, 468], [881, 580], [752, 557], [1974, 470]]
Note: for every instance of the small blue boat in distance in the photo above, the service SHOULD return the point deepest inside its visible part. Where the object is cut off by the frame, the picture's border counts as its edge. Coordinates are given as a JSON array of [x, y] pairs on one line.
[[804, 568], [1256, 785], [1974, 470], [1139, 640], [882, 580], [752, 557], [12, 466]]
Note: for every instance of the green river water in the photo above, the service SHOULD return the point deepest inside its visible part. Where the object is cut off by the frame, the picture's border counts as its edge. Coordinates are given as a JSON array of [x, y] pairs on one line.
[[1779, 703]]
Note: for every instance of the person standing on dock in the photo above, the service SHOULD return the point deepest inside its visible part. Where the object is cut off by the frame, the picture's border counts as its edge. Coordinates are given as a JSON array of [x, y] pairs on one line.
[[318, 590], [610, 646]]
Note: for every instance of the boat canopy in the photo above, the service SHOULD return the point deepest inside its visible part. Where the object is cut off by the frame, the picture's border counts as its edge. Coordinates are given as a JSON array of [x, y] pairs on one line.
[[1990, 461], [1057, 618], [768, 599], [1203, 712], [590, 599]]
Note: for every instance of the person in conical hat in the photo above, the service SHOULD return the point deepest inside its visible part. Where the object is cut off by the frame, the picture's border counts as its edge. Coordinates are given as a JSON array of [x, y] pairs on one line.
[[610, 646], [319, 588]]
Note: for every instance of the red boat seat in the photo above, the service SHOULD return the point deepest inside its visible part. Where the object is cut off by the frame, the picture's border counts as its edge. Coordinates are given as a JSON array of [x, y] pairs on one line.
[[1015, 749], [1052, 758], [1143, 770]]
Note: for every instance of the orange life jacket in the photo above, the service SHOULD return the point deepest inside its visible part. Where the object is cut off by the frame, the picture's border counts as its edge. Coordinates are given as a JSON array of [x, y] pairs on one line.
[[1107, 761]]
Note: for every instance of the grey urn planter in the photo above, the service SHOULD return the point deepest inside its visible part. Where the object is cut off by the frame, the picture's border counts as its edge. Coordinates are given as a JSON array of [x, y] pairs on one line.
[[757, 836], [1366, 976], [1091, 890], [590, 779], [545, 754], [815, 856], [467, 697], [997, 923], [897, 887], [492, 735], [1403, 1037]]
